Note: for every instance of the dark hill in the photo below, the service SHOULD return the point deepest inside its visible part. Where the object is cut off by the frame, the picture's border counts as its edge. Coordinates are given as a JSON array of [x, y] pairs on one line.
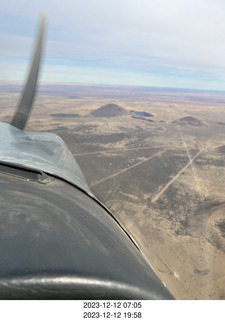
[[141, 113], [65, 115], [189, 121], [221, 149], [109, 110]]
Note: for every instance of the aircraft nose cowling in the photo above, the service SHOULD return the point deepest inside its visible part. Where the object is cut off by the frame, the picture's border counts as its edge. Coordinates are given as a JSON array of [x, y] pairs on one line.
[[41, 151], [58, 241]]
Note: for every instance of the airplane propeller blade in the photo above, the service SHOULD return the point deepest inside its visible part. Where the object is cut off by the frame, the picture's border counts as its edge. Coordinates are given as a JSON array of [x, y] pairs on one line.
[[25, 105]]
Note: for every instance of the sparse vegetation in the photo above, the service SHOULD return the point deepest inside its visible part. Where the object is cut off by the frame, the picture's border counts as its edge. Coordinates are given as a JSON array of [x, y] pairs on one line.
[[128, 161]]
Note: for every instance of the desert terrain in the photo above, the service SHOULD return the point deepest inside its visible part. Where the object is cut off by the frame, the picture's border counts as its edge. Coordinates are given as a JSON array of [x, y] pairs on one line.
[[156, 158]]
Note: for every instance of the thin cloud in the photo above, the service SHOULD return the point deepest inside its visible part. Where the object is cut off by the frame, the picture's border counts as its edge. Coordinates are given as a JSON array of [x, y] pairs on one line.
[[165, 39]]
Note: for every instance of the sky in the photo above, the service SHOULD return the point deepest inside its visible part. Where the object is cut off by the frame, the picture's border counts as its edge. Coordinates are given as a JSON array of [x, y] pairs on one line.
[[160, 43]]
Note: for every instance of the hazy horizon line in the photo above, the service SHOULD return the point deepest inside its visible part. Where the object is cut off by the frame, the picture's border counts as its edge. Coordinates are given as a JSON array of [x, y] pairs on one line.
[[21, 83]]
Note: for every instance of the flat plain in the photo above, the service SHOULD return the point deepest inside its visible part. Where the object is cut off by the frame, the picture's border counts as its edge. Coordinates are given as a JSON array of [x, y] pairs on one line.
[[156, 158]]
